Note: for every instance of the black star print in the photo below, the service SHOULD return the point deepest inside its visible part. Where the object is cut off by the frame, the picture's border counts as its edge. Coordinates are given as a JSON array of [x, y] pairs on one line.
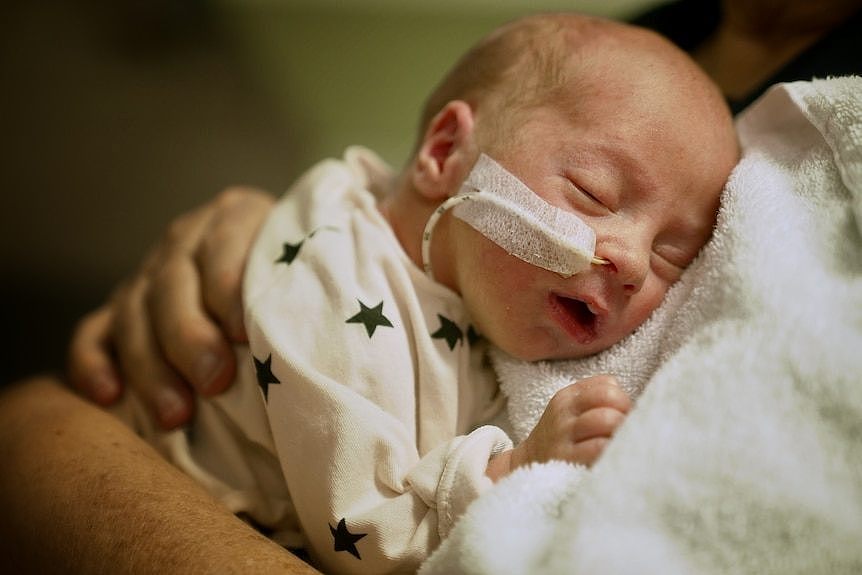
[[370, 317], [290, 252], [449, 331], [344, 540], [264, 374]]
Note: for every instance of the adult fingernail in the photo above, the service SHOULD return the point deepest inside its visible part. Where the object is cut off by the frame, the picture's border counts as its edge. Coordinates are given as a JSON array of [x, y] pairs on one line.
[[105, 388], [171, 407], [206, 370]]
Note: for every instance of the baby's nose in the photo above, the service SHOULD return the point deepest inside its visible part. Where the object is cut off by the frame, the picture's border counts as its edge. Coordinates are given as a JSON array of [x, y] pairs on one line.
[[629, 267]]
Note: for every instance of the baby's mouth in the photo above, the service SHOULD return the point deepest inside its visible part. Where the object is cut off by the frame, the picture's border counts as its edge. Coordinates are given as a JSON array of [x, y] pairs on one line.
[[578, 318]]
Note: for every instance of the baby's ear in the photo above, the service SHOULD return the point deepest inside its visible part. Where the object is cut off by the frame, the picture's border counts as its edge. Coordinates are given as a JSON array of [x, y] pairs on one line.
[[447, 152]]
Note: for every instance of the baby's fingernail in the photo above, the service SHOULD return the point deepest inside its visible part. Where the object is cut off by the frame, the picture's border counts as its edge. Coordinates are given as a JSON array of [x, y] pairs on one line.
[[171, 407], [208, 367]]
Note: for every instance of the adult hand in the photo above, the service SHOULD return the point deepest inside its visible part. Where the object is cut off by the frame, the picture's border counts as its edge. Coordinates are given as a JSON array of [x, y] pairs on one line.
[[167, 330]]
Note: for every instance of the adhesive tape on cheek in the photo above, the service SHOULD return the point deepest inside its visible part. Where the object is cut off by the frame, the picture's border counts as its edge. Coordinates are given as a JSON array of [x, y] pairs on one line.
[[507, 212]]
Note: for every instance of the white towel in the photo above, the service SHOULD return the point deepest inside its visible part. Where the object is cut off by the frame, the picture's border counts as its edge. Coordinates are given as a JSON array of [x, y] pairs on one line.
[[744, 453]]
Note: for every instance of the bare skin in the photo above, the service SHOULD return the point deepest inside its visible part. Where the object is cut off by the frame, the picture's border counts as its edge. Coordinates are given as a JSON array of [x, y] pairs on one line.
[[170, 326], [646, 241], [126, 511], [576, 426]]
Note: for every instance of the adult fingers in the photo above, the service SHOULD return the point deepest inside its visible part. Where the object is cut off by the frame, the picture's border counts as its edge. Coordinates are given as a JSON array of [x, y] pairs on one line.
[[90, 365], [140, 359], [223, 251], [195, 301], [187, 336]]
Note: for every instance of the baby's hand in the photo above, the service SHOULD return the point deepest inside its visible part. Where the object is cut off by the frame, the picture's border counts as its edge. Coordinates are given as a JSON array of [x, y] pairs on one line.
[[576, 425]]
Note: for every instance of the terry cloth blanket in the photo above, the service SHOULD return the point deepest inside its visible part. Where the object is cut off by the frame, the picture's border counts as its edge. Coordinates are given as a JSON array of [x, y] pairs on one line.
[[744, 453]]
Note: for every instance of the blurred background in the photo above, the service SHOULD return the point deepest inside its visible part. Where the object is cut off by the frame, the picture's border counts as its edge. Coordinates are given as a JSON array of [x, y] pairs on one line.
[[119, 115]]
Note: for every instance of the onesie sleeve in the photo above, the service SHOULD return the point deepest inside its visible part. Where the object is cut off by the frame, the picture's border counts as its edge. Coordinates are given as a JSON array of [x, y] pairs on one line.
[[451, 476], [366, 499]]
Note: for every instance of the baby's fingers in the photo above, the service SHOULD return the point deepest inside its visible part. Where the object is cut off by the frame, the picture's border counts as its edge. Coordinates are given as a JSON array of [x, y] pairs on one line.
[[596, 391], [598, 422], [591, 433], [587, 452]]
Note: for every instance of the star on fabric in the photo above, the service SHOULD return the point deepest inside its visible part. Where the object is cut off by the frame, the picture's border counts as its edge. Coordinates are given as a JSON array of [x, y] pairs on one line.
[[370, 317], [289, 253], [263, 370], [449, 331], [344, 540]]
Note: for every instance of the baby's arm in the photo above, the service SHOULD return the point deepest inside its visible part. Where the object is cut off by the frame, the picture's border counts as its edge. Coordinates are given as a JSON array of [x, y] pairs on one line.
[[576, 426]]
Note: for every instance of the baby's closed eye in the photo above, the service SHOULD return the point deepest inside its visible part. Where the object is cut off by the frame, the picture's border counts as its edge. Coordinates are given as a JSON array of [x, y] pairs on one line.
[[584, 200], [669, 261]]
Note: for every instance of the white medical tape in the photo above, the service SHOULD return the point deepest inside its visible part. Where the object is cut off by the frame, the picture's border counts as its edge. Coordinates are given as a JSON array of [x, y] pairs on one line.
[[503, 209]]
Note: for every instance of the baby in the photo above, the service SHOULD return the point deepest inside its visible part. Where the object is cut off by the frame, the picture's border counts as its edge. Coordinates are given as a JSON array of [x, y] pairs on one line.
[[355, 430]]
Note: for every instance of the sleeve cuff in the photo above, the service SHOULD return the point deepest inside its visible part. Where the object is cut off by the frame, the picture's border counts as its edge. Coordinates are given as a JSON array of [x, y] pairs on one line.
[[463, 478]]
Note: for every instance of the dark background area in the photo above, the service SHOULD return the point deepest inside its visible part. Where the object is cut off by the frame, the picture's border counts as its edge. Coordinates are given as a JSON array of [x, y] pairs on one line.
[[117, 116]]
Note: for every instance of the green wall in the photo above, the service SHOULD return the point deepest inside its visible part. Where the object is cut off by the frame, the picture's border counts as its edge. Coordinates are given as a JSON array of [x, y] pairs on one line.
[[357, 72]]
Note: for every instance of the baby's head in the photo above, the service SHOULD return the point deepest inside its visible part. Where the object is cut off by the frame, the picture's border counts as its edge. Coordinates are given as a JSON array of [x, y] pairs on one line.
[[604, 120]]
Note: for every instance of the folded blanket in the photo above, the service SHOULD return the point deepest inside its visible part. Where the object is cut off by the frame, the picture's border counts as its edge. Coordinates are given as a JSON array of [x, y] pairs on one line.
[[744, 453]]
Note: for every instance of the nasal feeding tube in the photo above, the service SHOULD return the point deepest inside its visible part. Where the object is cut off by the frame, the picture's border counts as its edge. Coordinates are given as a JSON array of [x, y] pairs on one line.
[[503, 209]]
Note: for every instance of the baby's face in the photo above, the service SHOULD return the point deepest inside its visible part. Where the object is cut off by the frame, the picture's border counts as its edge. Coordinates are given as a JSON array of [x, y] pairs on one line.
[[644, 169]]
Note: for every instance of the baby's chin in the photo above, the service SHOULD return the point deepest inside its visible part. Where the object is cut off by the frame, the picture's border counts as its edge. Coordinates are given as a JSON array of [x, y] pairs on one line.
[[546, 347]]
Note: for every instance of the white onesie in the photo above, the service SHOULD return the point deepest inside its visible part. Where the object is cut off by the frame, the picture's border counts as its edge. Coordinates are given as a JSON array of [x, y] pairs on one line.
[[354, 419]]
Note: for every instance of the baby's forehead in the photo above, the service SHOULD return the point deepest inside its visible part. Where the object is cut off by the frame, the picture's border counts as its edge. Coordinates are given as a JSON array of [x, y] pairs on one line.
[[638, 96], [663, 103], [617, 54]]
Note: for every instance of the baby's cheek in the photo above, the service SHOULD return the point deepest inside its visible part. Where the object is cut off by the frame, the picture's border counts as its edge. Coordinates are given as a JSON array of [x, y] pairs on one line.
[[500, 271], [647, 300]]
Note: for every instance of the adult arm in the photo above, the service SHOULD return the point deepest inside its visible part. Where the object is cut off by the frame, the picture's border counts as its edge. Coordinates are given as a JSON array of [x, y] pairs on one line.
[[81, 493], [167, 331]]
